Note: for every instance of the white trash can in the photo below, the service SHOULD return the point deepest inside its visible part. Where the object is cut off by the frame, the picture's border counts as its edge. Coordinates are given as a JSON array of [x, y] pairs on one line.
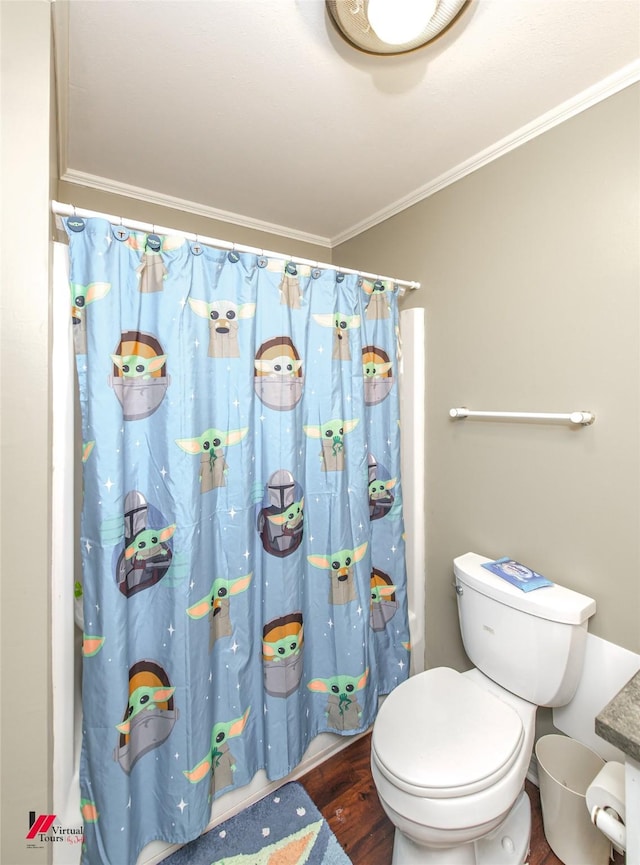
[[565, 770]]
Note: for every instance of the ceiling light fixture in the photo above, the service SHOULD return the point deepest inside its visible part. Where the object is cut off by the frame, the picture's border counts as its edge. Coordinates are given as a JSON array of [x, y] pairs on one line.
[[392, 26], [401, 21]]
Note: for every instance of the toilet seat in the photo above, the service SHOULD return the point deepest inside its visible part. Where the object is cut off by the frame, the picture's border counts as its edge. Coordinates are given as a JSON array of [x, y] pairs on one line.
[[440, 735]]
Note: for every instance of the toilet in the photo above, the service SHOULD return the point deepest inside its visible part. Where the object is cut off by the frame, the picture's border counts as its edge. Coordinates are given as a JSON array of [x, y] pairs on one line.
[[450, 751]]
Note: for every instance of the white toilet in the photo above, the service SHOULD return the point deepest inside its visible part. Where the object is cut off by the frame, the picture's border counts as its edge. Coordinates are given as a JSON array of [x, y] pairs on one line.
[[450, 751]]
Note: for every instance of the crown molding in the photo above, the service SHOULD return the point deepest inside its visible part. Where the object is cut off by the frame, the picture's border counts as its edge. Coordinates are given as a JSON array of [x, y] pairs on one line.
[[60, 26], [609, 86], [104, 184]]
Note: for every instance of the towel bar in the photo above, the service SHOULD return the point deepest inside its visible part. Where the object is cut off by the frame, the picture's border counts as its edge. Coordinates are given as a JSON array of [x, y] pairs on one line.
[[575, 417]]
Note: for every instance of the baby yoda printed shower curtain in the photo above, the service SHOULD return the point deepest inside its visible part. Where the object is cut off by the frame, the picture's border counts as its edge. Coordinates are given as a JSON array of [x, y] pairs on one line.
[[244, 583]]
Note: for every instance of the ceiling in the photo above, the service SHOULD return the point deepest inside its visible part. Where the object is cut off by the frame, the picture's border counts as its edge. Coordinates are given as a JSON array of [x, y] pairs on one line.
[[257, 112]]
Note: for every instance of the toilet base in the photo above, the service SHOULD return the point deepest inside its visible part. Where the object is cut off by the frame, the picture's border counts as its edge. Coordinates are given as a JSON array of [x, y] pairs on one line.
[[508, 844]]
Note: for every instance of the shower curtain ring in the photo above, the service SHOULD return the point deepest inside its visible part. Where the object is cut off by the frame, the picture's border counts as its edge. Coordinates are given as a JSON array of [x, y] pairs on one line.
[[121, 232], [74, 222], [290, 267]]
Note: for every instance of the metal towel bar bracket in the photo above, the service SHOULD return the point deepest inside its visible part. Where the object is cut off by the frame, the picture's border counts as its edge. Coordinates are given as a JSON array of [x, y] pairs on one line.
[[584, 418]]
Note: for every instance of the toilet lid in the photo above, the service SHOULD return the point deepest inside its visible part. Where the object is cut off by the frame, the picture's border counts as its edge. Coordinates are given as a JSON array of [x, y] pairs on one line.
[[441, 735]]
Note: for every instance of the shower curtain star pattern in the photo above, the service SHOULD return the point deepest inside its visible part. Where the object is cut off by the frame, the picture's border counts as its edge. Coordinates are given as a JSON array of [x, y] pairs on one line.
[[244, 581]]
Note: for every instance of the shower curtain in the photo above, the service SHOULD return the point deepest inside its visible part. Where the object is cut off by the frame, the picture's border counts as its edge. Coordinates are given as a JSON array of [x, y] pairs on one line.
[[244, 583]]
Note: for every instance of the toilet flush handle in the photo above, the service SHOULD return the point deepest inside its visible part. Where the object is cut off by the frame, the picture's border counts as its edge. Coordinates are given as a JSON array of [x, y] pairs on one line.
[[459, 589]]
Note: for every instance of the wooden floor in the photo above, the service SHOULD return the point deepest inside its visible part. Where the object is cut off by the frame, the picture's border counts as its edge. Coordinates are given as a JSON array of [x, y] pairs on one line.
[[344, 792]]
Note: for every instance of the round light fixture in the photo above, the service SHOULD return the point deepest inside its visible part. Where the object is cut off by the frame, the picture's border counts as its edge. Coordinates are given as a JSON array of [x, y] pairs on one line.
[[401, 21], [392, 26]]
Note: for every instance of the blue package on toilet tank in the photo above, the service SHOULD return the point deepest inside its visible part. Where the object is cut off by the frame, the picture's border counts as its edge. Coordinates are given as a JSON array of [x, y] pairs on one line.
[[517, 574]]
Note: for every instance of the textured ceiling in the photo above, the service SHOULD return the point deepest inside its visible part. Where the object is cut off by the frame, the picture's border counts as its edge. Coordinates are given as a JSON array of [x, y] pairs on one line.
[[258, 111]]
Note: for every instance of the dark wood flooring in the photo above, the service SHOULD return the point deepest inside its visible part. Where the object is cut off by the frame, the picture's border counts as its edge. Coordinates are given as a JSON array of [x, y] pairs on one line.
[[344, 792]]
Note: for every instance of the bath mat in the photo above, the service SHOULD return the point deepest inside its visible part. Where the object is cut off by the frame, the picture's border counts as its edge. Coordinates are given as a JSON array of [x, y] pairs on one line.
[[284, 828]]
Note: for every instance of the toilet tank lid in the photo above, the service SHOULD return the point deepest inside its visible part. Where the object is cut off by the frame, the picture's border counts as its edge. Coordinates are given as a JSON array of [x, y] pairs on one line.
[[556, 603]]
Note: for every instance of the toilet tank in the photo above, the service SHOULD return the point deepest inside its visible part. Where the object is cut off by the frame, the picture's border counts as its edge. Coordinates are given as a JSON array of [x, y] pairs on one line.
[[531, 643]]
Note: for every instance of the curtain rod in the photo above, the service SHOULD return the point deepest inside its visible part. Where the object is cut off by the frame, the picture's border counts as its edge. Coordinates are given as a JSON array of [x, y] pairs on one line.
[[70, 210]]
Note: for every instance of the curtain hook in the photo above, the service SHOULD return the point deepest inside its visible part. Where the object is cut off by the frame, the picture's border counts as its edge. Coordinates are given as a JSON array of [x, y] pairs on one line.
[[196, 247], [153, 242], [121, 232], [75, 222]]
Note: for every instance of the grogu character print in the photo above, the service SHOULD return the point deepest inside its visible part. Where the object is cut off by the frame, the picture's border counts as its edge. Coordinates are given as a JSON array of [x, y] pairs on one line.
[[89, 811], [332, 435], [87, 448], [149, 716], [219, 763], [152, 270], [147, 552], [223, 317], [341, 324], [281, 518], [213, 465], [290, 291], [384, 605], [343, 711], [340, 566], [278, 377], [377, 291], [217, 605], [377, 370], [380, 485], [91, 645], [139, 377], [81, 297], [283, 654]]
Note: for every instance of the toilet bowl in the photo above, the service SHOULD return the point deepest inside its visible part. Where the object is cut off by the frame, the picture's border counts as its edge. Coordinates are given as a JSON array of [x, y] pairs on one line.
[[450, 772], [450, 751]]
